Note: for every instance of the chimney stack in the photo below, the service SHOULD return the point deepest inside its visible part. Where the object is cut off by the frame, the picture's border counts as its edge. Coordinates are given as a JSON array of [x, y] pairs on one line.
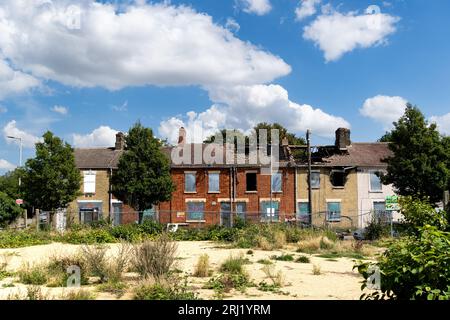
[[182, 136], [343, 138], [120, 141]]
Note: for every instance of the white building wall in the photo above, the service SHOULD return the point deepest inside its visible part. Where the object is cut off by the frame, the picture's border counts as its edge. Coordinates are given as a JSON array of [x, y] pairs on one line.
[[366, 197]]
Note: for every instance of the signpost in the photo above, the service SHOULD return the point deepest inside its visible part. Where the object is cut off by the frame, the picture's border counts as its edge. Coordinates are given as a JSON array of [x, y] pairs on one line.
[[392, 205], [19, 201]]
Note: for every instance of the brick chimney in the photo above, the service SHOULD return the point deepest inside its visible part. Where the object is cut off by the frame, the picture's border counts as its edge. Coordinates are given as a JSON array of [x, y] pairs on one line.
[[343, 138], [182, 136], [120, 141]]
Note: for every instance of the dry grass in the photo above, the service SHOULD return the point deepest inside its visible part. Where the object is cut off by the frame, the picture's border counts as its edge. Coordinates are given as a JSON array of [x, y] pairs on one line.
[[155, 258], [316, 270], [202, 267], [279, 240], [264, 244], [276, 277]]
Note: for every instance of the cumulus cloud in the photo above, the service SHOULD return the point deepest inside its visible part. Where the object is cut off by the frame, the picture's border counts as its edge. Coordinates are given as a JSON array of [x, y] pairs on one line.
[[60, 109], [28, 140], [306, 8], [384, 109], [338, 33], [140, 44], [242, 107], [258, 7], [13, 81], [443, 123], [103, 136], [5, 165]]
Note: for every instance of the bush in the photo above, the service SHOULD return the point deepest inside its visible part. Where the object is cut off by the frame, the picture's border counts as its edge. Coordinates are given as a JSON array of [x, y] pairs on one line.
[[88, 236], [33, 293], [202, 267], [17, 239], [117, 288], [35, 275], [302, 259], [264, 261], [417, 214], [227, 281], [126, 232], [9, 210], [376, 229], [57, 270], [234, 264], [283, 257], [95, 261], [416, 267], [160, 291], [154, 259]]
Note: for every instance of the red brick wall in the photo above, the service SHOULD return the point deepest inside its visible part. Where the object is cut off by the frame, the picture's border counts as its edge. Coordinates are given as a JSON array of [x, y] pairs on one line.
[[168, 210]]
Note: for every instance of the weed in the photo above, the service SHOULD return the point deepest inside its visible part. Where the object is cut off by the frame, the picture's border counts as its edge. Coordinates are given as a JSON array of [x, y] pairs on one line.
[[302, 259], [283, 257], [234, 264], [250, 252], [316, 270], [78, 295], [202, 267], [115, 287], [264, 261], [32, 274], [277, 278], [164, 291]]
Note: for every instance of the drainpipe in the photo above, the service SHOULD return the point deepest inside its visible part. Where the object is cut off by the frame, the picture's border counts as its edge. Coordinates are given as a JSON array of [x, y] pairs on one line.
[[111, 219], [295, 193]]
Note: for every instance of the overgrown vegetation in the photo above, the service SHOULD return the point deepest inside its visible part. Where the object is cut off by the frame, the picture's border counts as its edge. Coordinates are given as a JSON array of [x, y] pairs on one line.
[[174, 290], [202, 268]]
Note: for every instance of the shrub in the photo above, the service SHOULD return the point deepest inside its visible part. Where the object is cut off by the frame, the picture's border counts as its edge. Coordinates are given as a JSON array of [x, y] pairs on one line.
[[95, 261], [264, 244], [33, 293], [227, 281], [283, 257], [418, 213], [117, 288], [58, 266], [326, 243], [302, 259], [88, 236], [250, 252], [234, 264], [35, 274], [202, 267], [376, 229], [277, 278], [119, 263], [316, 270], [416, 267], [264, 261], [279, 240], [78, 295], [17, 239], [167, 291], [154, 259], [9, 210], [126, 232]]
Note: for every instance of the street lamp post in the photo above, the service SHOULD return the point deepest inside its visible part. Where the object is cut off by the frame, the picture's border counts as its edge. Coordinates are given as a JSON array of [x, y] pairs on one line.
[[20, 165]]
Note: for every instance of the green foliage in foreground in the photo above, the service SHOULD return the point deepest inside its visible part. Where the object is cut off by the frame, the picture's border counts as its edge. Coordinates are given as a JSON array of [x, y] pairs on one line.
[[9, 210], [160, 291], [416, 267]]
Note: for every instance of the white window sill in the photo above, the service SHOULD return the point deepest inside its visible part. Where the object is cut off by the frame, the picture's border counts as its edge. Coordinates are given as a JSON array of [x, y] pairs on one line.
[[251, 191], [214, 192], [190, 192], [195, 221]]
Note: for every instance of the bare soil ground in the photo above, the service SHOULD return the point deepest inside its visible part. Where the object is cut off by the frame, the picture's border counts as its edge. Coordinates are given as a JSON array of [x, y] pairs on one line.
[[336, 281]]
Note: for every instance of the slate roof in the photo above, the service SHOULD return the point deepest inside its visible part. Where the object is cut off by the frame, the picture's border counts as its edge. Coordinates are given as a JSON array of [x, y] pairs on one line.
[[358, 155]]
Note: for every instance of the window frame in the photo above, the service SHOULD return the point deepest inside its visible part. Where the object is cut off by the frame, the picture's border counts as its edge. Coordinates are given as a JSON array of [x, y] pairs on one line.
[[186, 173], [197, 201], [314, 172], [280, 173], [374, 172], [334, 201], [210, 174], [93, 189], [246, 181]]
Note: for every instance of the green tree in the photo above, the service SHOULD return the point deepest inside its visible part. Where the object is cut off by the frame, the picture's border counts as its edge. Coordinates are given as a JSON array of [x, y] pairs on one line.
[[51, 180], [283, 133], [9, 210], [9, 183], [419, 164], [143, 176]]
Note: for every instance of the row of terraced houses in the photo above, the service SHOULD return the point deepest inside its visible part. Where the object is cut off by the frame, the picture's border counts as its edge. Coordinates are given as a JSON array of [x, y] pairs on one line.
[[346, 189]]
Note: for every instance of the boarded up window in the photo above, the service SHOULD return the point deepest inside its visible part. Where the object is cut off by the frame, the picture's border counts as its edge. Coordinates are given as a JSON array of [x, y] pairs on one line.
[[89, 182]]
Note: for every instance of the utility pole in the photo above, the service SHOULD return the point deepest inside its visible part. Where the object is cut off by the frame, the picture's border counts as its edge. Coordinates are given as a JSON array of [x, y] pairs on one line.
[[308, 139], [20, 166]]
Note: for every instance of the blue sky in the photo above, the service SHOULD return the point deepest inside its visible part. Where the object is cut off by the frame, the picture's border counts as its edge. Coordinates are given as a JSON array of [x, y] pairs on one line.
[[225, 63]]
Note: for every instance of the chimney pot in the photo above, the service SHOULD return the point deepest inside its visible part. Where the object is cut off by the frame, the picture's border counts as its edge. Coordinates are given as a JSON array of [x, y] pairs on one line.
[[120, 141], [343, 138]]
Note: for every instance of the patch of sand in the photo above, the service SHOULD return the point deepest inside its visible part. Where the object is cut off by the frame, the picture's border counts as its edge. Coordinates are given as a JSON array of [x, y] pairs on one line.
[[336, 281]]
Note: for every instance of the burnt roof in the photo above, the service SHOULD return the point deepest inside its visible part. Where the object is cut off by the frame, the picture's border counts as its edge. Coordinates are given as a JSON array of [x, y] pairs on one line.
[[357, 154]]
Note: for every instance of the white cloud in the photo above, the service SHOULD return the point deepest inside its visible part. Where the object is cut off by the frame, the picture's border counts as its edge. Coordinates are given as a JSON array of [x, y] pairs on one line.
[[443, 123], [123, 107], [12, 81], [60, 109], [28, 140], [384, 109], [306, 8], [103, 136], [5, 165], [258, 7], [336, 33], [232, 25], [242, 107], [146, 44]]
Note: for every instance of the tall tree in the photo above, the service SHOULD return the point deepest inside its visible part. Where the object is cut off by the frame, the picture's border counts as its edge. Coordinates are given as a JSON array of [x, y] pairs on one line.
[[419, 164], [51, 180], [143, 176], [9, 183]]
